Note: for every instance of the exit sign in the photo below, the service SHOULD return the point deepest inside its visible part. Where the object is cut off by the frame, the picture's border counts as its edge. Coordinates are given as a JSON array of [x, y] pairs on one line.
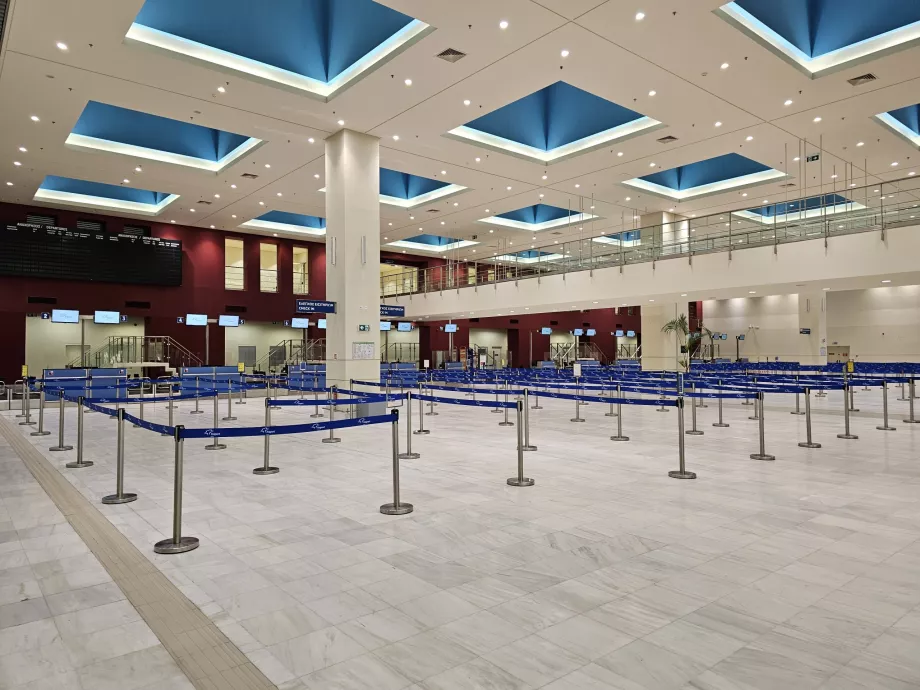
[[364, 327], [813, 158]]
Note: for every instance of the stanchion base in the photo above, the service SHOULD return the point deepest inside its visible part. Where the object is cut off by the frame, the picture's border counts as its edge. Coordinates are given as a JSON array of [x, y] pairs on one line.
[[332, 440], [169, 546], [619, 438], [396, 509], [409, 456], [529, 448], [886, 428], [431, 414], [754, 419], [56, 448], [906, 421], [848, 436], [243, 402], [77, 465], [720, 424], [420, 432], [197, 412], [662, 409], [796, 413], [536, 407], [511, 423], [266, 470], [496, 411], [610, 414], [702, 404], [747, 402], [115, 499], [26, 423], [40, 433], [514, 481], [576, 419], [758, 456], [216, 446], [228, 419], [805, 444], [317, 416], [677, 474], [854, 409], [693, 432]]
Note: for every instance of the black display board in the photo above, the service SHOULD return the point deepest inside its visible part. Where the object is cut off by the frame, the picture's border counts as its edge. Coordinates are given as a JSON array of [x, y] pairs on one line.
[[30, 250]]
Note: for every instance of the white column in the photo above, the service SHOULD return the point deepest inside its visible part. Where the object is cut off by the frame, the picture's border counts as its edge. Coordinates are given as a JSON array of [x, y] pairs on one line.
[[352, 255], [813, 315], [660, 351]]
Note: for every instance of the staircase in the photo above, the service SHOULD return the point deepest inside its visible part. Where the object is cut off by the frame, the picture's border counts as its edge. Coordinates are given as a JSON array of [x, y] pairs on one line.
[[121, 351], [291, 351]]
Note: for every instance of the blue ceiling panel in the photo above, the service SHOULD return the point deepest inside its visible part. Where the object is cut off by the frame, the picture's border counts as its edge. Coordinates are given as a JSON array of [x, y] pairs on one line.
[[718, 169], [531, 254], [102, 190], [811, 203], [539, 213], [523, 121], [818, 27], [405, 186], [315, 38], [294, 219], [431, 240], [135, 128], [909, 116]]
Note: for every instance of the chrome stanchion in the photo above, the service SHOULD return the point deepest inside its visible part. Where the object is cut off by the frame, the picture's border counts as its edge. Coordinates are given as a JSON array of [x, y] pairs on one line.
[[140, 407], [693, 431], [910, 395], [720, 423], [169, 395], [619, 416], [396, 507], [421, 415], [903, 383], [536, 399], [762, 455], [496, 409], [197, 410], [332, 438], [520, 479], [120, 496], [808, 442], [852, 392], [662, 408], [22, 398], [266, 467], [577, 417], [215, 445], [229, 417], [240, 400], [41, 414], [431, 412], [748, 402], [527, 444], [681, 473], [701, 402], [885, 426], [79, 461], [506, 422], [409, 455], [316, 412], [611, 412], [27, 404], [797, 411], [758, 406], [60, 445], [178, 543], [846, 415]]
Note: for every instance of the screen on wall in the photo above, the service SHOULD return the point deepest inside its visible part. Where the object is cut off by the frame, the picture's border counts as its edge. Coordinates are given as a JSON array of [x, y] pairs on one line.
[[321, 323], [404, 326], [546, 331], [107, 317], [450, 328], [619, 333], [196, 319], [591, 331], [386, 326], [725, 336], [65, 316], [578, 331], [300, 323], [228, 320], [630, 334]]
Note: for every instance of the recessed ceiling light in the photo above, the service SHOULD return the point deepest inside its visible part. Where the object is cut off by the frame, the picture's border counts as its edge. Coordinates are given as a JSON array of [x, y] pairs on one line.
[[894, 164], [395, 137], [23, 149], [390, 224], [817, 119], [456, 203], [577, 186], [268, 165], [316, 175], [764, 201], [261, 203], [542, 195], [670, 210], [834, 176], [341, 123], [487, 210], [478, 159], [172, 221], [651, 300], [138, 169], [652, 92], [718, 124], [221, 89], [629, 198], [274, 234], [640, 16], [442, 222], [744, 194], [61, 46], [192, 210], [788, 101], [386, 238], [852, 184], [683, 294], [825, 289], [411, 217], [212, 227], [408, 82], [860, 143], [911, 173], [564, 53], [443, 172], [17, 163], [233, 186], [9, 184], [233, 215], [126, 181], [724, 65], [749, 138], [491, 231], [544, 177], [217, 196], [503, 24], [279, 194], [752, 292], [466, 101], [34, 118], [796, 159], [311, 140], [508, 188]]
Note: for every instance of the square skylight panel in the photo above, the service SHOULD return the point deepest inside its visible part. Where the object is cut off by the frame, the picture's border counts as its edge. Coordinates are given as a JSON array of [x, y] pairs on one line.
[[282, 221], [98, 195], [904, 122], [538, 217]]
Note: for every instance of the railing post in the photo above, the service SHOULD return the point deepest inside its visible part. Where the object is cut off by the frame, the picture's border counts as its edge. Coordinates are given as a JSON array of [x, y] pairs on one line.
[[520, 479], [527, 445], [332, 438], [178, 543], [60, 445], [884, 426], [409, 455], [808, 442], [266, 467], [215, 445], [41, 414], [421, 414], [619, 416], [396, 507], [846, 414], [682, 472], [79, 461], [120, 496], [762, 454], [693, 431]]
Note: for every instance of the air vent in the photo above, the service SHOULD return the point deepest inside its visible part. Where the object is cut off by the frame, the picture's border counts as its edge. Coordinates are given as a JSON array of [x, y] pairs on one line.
[[41, 220], [235, 309], [789, 184], [132, 304], [476, 320], [42, 300], [451, 55], [90, 225], [862, 79], [206, 203], [556, 233], [434, 210], [667, 140], [553, 323], [513, 321], [250, 176], [136, 230], [586, 325]]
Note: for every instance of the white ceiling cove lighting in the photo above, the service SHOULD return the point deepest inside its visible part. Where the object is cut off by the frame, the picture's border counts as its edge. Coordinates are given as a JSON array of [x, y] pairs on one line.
[[573, 219], [89, 201], [706, 189]]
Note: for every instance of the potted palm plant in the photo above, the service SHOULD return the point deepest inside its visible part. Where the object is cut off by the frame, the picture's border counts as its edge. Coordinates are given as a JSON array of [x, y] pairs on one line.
[[678, 326]]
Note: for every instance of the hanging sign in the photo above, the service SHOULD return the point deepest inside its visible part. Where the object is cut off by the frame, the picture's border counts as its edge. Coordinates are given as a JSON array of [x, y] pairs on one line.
[[313, 306]]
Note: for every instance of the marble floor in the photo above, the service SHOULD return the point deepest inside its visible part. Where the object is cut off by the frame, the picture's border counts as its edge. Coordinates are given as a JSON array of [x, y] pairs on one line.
[[799, 573]]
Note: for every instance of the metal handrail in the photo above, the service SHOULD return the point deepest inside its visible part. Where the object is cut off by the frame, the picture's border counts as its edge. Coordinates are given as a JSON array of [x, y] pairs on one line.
[[816, 216], [125, 350]]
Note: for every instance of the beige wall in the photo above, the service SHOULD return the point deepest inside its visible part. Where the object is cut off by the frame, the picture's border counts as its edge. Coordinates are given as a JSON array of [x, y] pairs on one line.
[[262, 335], [489, 337], [879, 324], [770, 325], [47, 343]]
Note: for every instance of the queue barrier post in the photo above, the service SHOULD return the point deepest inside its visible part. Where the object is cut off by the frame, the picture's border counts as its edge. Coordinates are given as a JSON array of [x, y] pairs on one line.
[[852, 390], [693, 431], [808, 443], [177, 543], [61, 445], [497, 409], [762, 453], [577, 417], [431, 412], [26, 404], [720, 423], [197, 409], [747, 401], [120, 496], [409, 455], [229, 417], [910, 395], [797, 410], [22, 397], [240, 400], [421, 431], [169, 409], [611, 412], [140, 408], [316, 412], [397, 507], [758, 407], [333, 396], [506, 422], [41, 415], [536, 399], [79, 462], [682, 472], [847, 387], [520, 479], [527, 444], [885, 426], [215, 444], [266, 453], [619, 416]]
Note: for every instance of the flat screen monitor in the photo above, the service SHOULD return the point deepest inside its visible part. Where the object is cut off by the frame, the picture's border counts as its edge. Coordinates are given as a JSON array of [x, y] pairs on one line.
[[591, 331], [630, 334], [300, 323], [546, 331], [619, 333], [65, 316], [725, 336], [741, 337], [107, 317], [196, 319], [228, 320], [404, 326], [578, 331], [386, 326], [450, 328], [321, 323]]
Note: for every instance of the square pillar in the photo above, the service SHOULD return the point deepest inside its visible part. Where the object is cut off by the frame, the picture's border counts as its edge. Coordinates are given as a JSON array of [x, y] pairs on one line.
[[660, 351], [353, 257]]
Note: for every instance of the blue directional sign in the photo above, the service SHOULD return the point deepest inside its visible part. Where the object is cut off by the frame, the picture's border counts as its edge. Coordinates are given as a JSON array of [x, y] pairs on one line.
[[392, 310], [312, 306]]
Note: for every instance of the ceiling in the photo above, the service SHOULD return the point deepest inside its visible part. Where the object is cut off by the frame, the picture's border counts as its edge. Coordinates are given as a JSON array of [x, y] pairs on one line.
[[701, 68]]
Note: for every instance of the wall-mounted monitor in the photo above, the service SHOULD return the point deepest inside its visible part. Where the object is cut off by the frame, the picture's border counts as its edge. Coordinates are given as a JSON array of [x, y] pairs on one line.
[[630, 334], [300, 323], [65, 316], [578, 331], [386, 326], [404, 326], [724, 336], [228, 320], [450, 328], [107, 317], [741, 337], [196, 319], [321, 323], [619, 333], [591, 331], [546, 331]]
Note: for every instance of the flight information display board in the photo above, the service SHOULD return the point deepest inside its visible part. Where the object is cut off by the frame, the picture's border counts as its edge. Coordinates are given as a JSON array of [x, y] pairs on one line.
[[35, 251]]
